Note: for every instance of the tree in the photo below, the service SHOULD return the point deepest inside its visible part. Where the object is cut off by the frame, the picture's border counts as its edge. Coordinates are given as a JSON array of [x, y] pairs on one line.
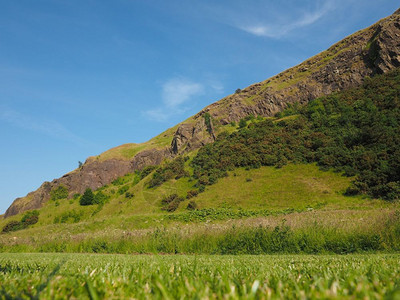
[[80, 164], [87, 198], [242, 123]]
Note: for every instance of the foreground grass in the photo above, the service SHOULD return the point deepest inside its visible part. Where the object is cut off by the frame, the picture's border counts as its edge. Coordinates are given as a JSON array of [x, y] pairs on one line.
[[59, 276]]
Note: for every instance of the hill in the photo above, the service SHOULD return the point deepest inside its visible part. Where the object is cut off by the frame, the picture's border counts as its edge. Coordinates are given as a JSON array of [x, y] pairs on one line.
[[308, 163], [371, 51], [306, 179]]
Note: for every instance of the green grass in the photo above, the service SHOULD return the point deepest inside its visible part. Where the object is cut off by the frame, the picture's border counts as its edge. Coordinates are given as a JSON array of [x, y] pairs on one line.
[[128, 151], [291, 187], [301, 194], [85, 276]]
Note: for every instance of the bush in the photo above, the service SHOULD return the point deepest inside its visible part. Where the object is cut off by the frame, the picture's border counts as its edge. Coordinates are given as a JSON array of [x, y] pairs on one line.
[[61, 192], [242, 123], [207, 120], [118, 181], [146, 171], [87, 198], [168, 199], [12, 226], [192, 193], [129, 195], [123, 189], [173, 206], [100, 198], [192, 205], [69, 217], [174, 169], [171, 202], [30, 218]]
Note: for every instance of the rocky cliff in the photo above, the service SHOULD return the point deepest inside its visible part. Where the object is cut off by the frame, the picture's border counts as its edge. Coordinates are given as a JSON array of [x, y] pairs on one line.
[[370, 51]]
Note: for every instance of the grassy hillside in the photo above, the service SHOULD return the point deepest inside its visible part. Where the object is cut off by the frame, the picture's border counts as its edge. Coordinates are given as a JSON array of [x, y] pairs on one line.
[[299, 195], [315, 171]]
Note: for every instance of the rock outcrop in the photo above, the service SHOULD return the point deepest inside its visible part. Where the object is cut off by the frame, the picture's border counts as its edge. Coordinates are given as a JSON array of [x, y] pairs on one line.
[[93, 174], [370, 51], [191, 136], [373, 50]]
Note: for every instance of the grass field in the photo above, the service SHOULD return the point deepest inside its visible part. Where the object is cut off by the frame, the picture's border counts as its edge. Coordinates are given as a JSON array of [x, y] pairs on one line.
[[60, 276]]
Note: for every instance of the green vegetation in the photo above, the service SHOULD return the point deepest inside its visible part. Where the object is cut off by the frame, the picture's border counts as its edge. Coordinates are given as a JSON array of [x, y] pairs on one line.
[[90, 198], [207, 120], [286, 237], [250, 179], [29, 218], [71, 216], [61, 192], [356, 132], [85, 276], [174, 169], [87, 197]]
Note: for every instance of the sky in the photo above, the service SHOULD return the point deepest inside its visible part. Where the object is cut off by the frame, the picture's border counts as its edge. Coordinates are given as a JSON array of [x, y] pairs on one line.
[[78, 77]]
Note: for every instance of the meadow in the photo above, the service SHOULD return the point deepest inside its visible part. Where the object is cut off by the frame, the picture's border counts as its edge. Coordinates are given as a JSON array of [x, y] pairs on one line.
[[94, 276]]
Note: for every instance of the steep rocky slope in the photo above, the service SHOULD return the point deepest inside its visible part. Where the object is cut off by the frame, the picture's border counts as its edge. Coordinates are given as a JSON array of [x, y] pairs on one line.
[[370, 51]]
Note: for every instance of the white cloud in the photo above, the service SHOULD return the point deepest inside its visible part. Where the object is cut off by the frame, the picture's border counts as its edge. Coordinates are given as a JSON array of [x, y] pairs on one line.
[[280, 29], [176, 94], [177, 91]]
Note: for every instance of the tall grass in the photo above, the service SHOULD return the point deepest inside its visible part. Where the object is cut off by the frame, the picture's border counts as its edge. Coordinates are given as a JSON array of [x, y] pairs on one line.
[[314, 239]]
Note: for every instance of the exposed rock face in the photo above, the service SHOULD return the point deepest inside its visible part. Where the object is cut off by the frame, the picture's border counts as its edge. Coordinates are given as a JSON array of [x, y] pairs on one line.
[[93, 174], [192, 136], [344, 65]]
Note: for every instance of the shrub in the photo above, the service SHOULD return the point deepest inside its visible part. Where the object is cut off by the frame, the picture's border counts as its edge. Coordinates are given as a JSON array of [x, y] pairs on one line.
[[100, 198], [171, 202], [30, 218], [123, 189], [207, 120], [202, 188], [172, 206], [192, 205], [61, 192], [69, 217], [174, 169], [118, 181], [129, 195], [12, 226], [192, 193], [146, 171], [168, 199], [242, 123], [87, 198]]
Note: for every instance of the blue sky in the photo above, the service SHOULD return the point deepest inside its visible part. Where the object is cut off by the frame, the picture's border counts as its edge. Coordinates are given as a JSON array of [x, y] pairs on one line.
[[80, 77]]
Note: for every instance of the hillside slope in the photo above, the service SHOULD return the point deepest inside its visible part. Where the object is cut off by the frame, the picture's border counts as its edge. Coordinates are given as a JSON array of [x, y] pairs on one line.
[[370, 51], [316, 178]]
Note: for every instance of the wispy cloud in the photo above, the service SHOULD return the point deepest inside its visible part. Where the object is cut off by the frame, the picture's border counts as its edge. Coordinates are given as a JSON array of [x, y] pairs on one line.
[[282, 28], [47, 127], [177, 91], [176, 95]]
